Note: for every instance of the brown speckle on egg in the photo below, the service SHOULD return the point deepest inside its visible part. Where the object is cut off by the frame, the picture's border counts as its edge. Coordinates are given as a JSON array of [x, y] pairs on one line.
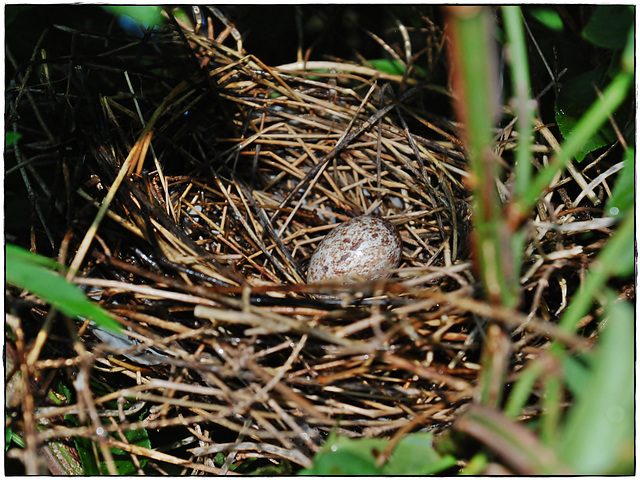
[[364, 246]]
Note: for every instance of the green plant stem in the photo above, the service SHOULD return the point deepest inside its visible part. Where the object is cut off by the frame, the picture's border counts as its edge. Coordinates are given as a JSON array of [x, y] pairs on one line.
[[522, 102], [525, 109], [552, 405], [521, 390], [474, 68]]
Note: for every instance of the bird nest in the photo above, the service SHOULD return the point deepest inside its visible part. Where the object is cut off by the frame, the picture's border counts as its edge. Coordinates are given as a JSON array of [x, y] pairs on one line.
[[218, 176]]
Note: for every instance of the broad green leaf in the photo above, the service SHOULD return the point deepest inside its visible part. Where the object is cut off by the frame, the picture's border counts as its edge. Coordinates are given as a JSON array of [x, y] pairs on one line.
[[246, 466], [87, 458], [415, 455], [343, 462], [575, 97], [609, 25], [25, 256], [135, 437], [595, 117], [599, 432], [623, 195], [476, 465], [345, 456], [147, 15], [33, 272], [122, 459], [182, 15], [549, 17]]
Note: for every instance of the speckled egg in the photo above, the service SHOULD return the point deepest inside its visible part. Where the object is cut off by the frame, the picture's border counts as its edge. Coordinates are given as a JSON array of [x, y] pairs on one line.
[[364, 246]]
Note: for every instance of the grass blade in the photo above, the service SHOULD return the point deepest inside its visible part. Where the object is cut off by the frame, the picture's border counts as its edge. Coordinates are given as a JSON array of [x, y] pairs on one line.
[[522, 102], [34, 273], [598, 437]]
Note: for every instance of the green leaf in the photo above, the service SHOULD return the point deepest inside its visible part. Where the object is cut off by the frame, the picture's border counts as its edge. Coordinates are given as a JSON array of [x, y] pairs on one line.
[[8, 433], [284, 468], [476, 465], [576, 372], [414, 455], [34, 273], [25, 256], [575, 98], [87, 458], [147, 15], [59, 394], [122, 460], [609, 25], [10, 138], [135, 437], [598, 438], [612, 98], [182, 16], [17, 439], [393, 67], [549, 17], [623, 195], [345, 456]]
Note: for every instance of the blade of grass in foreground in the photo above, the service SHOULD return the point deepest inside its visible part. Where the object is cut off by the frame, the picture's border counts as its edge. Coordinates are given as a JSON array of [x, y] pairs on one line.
[[598, 437], [522, 101], [472, 52], [34, 273]]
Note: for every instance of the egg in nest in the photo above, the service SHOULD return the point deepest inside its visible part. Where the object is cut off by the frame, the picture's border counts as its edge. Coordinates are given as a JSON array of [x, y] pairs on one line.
[[364, 246]]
